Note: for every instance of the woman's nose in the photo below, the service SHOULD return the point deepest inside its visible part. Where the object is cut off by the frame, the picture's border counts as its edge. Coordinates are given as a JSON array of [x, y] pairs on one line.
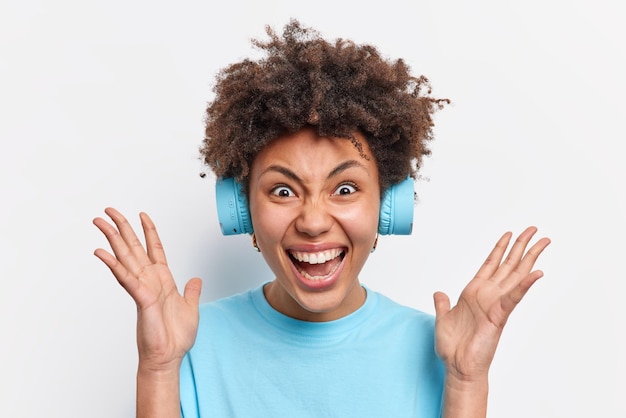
[[314, 219]]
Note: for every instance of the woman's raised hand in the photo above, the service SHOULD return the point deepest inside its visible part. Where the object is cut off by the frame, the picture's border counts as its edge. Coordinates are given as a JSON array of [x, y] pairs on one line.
[[467, 335], [167, 322]]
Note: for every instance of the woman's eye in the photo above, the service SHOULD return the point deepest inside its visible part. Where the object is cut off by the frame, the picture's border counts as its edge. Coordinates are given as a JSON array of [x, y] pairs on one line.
[[345, 189], [283, 191]]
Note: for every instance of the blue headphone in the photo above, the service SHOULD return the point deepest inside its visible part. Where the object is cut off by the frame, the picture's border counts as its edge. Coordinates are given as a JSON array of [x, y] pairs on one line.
[[396, 208]]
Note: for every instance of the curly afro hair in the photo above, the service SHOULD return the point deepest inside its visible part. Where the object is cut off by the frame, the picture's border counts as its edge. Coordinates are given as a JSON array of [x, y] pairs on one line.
[[337, 88]]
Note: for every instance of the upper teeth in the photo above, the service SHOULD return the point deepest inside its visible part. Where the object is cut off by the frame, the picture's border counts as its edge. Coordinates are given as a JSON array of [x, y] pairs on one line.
[[316, 258]]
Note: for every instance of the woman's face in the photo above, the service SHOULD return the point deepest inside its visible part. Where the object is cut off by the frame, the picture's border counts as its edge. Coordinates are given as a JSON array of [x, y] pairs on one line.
[[314, 203]]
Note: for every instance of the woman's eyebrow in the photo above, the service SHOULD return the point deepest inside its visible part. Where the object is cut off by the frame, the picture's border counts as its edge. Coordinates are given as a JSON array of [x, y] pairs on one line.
[[344, 166], [335, 171], [283, 170]]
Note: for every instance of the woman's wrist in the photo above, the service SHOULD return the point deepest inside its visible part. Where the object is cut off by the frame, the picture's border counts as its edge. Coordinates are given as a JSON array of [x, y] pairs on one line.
[[158, 372], [148, 367], [465, 397], [158, 392]]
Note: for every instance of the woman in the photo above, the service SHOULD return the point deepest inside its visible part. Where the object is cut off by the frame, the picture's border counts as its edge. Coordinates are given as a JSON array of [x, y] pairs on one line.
[[316, 135]]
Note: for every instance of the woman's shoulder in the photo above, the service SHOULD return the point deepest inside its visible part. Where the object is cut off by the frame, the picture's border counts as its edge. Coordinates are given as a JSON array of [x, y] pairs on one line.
[[390, 310], [227, 305]]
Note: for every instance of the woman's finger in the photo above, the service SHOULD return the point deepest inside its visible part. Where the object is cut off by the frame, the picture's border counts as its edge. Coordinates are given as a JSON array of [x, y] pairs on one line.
[[126, 231], [120, 248], [127, 280], [192, 291], [153, 242], [492, 262], [442, 304], [525, 265], [509, 301], [515, 255]]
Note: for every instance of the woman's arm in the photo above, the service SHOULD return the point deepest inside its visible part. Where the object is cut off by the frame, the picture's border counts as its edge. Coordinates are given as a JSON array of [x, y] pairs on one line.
[[167, 322], [465, 399], [158, 393], [467, 335]]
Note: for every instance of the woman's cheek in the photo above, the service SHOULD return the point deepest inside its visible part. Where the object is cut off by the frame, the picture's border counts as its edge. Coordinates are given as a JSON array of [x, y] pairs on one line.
[[360, 222], [271, 222]]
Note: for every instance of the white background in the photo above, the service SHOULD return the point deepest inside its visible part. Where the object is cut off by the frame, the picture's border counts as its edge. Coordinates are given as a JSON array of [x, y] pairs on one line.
[[101, 104]]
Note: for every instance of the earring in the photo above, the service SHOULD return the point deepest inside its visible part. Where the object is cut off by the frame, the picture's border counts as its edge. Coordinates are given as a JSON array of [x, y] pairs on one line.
[[254, 244], [375, 244]]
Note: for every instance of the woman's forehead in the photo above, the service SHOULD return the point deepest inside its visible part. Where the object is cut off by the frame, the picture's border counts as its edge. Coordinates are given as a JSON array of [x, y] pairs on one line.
[[308, 144], [307, 152]]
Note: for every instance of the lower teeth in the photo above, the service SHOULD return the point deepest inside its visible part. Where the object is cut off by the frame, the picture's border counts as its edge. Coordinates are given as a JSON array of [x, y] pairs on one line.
[[309, 277]]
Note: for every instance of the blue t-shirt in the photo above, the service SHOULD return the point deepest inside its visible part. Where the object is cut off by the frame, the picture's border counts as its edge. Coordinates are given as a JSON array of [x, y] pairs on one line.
[[249, 360]]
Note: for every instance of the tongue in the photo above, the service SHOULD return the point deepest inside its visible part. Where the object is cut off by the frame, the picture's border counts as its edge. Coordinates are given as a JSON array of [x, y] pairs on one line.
[[319, 270]]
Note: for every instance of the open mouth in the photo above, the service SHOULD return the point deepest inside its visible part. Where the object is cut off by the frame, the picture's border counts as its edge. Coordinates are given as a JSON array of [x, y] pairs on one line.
[[317, 265]]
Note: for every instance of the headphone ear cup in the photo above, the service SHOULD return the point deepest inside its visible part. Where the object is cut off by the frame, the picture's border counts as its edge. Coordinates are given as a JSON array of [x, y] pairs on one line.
[[395, 218], [396, 209], [232, 207]]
